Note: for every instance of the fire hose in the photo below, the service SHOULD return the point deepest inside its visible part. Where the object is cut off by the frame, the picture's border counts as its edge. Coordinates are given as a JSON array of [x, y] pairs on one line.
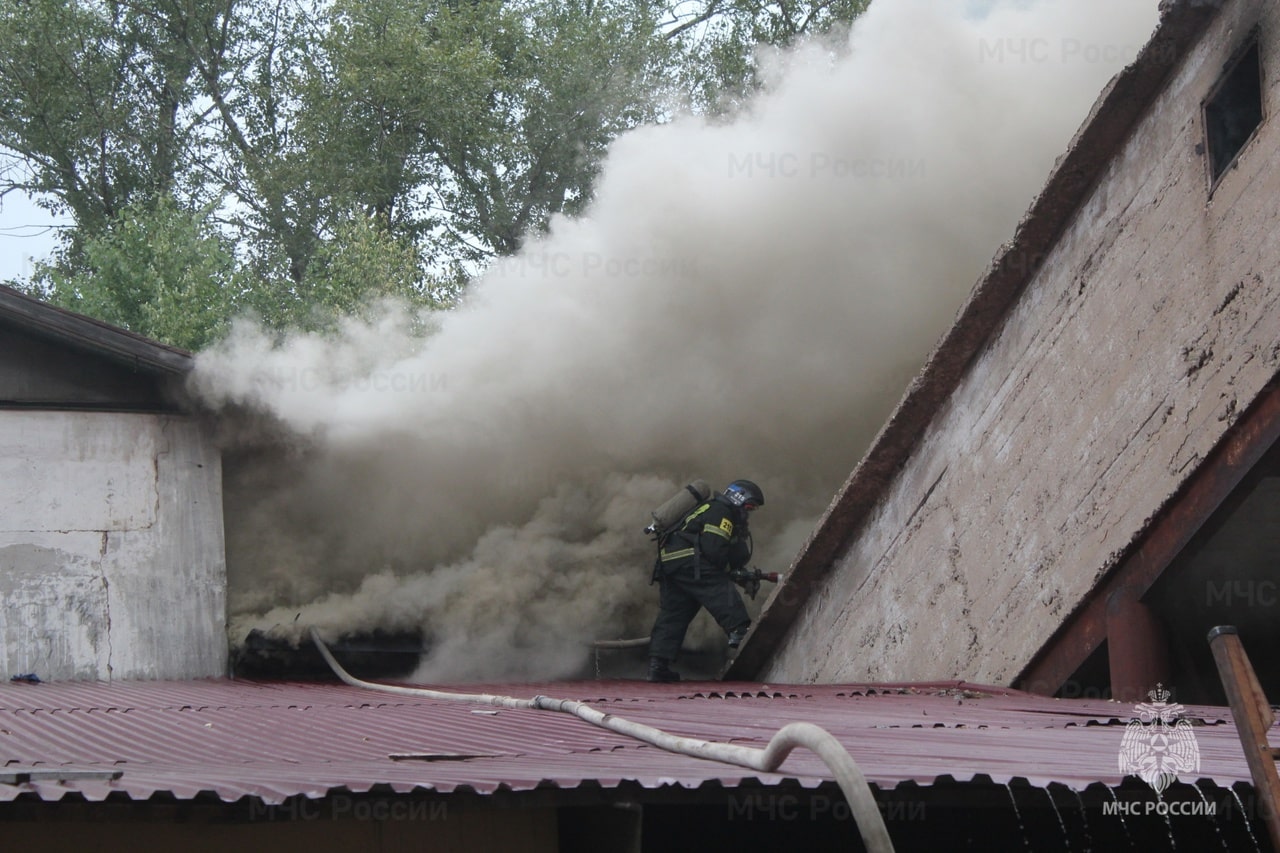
[[862, 803], [633, 643]]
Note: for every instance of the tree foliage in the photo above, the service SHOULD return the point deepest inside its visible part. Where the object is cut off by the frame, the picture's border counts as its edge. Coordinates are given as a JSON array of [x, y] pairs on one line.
[[300, 156], [719, 40], [156, 268], [92, 103]]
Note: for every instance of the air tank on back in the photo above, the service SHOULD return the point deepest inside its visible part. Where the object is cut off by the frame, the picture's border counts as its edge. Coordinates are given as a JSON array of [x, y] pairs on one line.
[[678, 506]]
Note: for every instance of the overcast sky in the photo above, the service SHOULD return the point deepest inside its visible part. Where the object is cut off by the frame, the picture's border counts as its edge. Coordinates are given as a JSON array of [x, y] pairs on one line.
[[26, 233]]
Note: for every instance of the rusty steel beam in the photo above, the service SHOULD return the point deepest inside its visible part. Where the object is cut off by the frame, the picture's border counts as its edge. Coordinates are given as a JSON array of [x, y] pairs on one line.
[[1202, 493], [1137, 648], [1253, 718]]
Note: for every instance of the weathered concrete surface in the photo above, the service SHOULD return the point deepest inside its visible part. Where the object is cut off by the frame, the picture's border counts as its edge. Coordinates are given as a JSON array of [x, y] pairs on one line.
[[1151, 323], [111, 547]]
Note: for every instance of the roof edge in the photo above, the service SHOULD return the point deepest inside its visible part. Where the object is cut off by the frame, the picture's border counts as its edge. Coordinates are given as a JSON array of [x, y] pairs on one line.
[[1118, 110], [94, 336]]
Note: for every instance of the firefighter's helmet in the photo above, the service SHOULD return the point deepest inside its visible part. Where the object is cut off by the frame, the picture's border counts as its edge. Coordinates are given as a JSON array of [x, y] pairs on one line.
[[744, 494]]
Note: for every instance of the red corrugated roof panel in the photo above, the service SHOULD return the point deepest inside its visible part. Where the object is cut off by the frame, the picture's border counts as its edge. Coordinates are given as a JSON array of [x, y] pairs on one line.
[[235, 739]]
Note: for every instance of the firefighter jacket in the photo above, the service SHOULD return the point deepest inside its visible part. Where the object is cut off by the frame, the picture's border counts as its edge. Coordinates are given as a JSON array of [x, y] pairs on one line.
[[713, 536]]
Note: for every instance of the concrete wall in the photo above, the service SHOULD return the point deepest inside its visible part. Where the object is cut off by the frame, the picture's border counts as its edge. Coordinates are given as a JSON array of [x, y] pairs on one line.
[[111, 547], [1151, 324]]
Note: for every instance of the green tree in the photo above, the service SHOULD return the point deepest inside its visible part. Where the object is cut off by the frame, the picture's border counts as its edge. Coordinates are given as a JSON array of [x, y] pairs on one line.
[[718, 39], [465, 126], [567, 87], [425, 137], [154, 269], [96, 102], [362, 263]]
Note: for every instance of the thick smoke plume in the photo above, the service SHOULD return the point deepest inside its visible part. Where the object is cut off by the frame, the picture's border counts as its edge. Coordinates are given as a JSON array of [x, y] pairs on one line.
[[743, 299]]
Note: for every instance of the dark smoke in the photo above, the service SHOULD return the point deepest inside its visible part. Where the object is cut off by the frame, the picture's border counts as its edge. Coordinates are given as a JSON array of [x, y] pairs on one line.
[[741, 300]]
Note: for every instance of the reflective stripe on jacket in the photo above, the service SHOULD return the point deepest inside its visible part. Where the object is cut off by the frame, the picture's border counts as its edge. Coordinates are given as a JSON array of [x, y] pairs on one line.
[[710, 535]]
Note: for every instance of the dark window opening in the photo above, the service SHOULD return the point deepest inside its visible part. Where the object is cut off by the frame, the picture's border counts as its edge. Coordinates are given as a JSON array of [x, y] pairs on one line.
[[1092, 680], [1233, 111]]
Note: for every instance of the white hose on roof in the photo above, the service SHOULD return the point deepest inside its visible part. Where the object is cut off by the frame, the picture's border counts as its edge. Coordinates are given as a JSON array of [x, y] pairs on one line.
[[634, 643], [862, 803]]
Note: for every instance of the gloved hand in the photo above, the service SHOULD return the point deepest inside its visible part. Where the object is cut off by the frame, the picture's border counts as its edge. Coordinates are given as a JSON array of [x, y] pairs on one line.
[[748, 580]]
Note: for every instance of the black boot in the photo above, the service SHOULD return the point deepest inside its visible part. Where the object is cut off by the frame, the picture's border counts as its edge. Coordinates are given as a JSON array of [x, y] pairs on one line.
[[737, 635], [660, 671]]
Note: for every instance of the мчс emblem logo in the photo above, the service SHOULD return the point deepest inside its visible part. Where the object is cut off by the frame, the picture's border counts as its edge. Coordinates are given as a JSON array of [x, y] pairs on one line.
[[1158, 744]]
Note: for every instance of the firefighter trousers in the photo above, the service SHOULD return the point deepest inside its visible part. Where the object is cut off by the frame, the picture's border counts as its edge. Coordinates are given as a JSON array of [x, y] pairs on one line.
[[681, 594]]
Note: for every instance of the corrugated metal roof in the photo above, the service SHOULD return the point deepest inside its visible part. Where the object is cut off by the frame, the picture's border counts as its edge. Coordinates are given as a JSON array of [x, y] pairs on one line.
[[233, 739]]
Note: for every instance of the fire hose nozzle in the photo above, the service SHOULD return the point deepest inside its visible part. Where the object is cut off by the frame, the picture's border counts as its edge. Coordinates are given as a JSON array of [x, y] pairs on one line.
[[757, 575]]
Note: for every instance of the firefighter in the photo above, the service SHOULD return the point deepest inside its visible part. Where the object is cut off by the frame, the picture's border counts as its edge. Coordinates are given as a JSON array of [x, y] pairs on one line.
[[693, 572]]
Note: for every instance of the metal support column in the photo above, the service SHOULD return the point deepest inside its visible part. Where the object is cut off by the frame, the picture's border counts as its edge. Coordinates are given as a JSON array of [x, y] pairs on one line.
[[1137, 649]]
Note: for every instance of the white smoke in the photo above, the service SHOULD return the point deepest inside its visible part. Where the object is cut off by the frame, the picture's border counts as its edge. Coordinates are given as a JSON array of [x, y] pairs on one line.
[[745, 299]]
